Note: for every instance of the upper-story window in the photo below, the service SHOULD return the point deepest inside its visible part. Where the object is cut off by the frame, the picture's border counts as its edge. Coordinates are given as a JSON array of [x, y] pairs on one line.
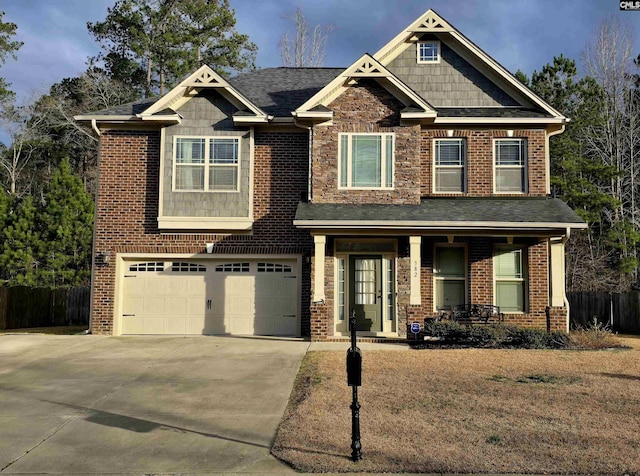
[[366, 161], [209, 164], [510, 165], [428, 52], [449, 165]]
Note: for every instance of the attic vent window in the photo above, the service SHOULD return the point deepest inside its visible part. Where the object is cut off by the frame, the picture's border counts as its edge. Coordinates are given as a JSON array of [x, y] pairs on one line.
[[429, 52]]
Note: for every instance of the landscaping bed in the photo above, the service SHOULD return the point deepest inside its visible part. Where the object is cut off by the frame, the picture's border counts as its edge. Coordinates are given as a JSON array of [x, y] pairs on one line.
[[469, 410]]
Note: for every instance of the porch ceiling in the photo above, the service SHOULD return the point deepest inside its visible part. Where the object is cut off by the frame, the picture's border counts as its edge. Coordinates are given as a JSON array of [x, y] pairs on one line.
[[447, 214]]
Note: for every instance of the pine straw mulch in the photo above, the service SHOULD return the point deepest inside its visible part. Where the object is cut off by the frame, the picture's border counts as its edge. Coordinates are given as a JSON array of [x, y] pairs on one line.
[[469, 410]]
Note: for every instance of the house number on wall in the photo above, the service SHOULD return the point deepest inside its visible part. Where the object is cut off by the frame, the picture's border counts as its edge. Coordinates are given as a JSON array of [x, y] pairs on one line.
[[415, 268]]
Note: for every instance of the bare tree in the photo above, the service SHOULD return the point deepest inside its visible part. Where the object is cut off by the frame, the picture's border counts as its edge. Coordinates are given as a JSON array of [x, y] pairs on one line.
[[305, 48], [614, 138], [23, 126]]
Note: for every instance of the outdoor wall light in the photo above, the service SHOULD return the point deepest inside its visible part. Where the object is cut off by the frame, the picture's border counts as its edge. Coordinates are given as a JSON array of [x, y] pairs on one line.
[[104, 257]]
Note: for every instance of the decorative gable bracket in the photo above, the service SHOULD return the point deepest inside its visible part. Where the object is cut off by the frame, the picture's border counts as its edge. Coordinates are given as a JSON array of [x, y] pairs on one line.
[[205, 77], [316, 110]]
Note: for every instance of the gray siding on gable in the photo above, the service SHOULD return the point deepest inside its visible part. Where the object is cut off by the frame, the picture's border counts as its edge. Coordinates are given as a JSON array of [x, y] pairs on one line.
[[208, 114], [451, 83]]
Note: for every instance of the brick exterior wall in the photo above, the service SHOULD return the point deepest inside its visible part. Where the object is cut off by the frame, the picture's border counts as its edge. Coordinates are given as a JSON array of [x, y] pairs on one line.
[[479, 173], [127, 207], [480, 280], [366, 107], [127, 210]]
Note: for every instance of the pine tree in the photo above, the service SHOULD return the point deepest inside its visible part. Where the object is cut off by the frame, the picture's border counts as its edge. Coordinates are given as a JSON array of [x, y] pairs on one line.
[[67, 230], [151, 44], [18, 258]]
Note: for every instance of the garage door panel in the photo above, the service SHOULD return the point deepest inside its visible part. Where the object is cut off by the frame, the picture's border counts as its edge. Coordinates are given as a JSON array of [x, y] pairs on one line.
[[153, 325], [175, 325], [131, 325], [215, 324], [155, 306], [237, 297]]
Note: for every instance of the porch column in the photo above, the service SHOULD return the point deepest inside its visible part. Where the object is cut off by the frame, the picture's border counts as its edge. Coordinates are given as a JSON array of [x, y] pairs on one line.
[[414, 254], [318, 274], [557, 273]]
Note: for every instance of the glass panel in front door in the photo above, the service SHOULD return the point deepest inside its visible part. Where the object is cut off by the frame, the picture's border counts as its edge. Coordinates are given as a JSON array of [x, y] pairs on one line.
[[367, 292]]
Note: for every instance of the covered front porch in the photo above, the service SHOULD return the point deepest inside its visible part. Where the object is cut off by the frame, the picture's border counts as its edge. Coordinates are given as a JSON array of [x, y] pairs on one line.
[[391, 272]]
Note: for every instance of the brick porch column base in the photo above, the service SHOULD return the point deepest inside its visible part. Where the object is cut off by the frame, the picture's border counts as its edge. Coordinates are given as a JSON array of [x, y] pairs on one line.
[[414, 314], [319, 322], [557, 320]]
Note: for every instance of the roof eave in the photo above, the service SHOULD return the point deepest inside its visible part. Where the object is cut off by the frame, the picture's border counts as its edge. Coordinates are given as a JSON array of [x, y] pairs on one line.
[[252, 119], [500, 120], [437, 225]]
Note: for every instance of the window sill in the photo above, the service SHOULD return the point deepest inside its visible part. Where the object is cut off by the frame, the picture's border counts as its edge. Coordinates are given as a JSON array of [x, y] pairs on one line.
[[204, 223]]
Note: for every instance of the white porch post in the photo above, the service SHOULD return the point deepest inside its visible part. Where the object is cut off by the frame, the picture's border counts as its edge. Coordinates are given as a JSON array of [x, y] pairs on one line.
[[415, 259], [318, 275], [557, 273]]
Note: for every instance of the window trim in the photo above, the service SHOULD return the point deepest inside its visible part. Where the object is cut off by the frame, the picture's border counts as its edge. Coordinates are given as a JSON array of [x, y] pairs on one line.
[[525, 179], [429, 61], [207, 165], [524, 280], [437, 278], [383, 177], [463, 141]]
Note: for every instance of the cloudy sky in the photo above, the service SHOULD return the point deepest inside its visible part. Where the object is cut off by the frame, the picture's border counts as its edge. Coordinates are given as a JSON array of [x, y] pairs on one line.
[[520, 34]]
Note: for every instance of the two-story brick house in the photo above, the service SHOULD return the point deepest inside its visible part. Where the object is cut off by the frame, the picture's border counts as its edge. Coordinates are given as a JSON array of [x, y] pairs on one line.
[[277, 201]]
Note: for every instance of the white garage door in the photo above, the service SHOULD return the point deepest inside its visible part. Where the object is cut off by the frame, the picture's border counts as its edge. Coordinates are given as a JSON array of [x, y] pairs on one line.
[[210, 297]]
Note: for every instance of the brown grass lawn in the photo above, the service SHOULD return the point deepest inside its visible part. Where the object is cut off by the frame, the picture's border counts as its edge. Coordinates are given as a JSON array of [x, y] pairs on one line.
[[469, 410]]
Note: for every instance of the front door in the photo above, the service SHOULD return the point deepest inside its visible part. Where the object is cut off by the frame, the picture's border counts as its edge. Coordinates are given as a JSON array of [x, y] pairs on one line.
[[365, 296]]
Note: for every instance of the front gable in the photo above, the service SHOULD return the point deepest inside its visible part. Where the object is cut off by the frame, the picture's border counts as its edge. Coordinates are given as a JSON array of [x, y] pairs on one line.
[[317, 108], [451, 82], [463, 76]]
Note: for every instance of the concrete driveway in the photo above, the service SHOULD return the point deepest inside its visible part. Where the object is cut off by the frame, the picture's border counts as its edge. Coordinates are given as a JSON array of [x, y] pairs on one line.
[[94, 404]]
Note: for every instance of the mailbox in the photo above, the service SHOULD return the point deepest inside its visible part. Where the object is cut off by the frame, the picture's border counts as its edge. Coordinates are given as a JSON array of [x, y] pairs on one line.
[[354, 367]]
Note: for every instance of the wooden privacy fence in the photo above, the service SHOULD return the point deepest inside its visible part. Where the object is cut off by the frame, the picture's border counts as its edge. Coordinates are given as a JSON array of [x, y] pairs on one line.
[[620, 311], [23, 307]]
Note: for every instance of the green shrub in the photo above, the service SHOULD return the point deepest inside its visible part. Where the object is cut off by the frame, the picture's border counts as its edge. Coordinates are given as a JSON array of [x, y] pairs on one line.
[[494, 336]]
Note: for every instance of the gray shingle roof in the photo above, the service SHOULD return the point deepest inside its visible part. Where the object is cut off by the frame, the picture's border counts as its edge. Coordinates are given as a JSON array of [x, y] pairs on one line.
[[521, 211], [128, 109], [515, 112], [279, 91]]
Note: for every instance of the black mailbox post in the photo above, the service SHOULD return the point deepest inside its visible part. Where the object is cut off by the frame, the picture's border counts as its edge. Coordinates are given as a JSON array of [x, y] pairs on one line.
[[354, 380]]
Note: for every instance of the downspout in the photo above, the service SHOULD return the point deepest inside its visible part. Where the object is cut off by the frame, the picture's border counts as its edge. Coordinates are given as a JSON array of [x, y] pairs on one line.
[[565, 238], [547, 155], [93, 244], [94, 126], [309, 155], [310, 183]]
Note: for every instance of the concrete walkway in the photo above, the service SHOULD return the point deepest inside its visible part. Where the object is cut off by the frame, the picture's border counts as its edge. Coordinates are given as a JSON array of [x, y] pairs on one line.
[[143, 405]]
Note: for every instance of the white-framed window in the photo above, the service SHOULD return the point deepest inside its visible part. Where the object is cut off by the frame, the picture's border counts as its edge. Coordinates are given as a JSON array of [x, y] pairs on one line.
[[366, 161], [206, 164], [449, 165], [510, 278], [510, 165], [428, 51], [450, 273]]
